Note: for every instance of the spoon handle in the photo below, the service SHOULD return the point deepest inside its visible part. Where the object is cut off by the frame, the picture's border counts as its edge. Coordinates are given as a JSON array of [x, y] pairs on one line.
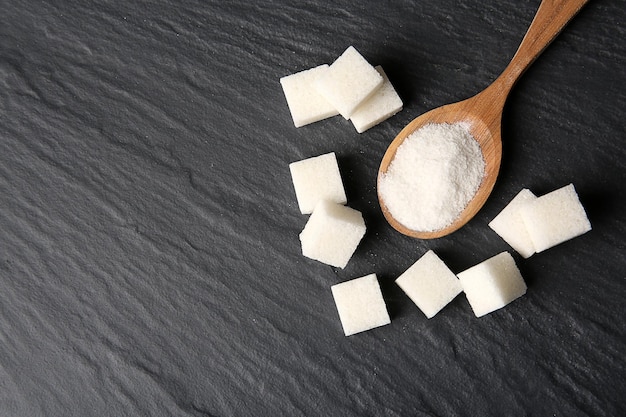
[[550, 19]]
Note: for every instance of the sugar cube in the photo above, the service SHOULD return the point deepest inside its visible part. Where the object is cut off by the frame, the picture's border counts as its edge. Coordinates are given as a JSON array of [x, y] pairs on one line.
[[349, 81], [429, 284], [305, 103], [360, 304], [509, 225], [492, 284], [332, 233], [381, 105], [555, 218], [316, 179]]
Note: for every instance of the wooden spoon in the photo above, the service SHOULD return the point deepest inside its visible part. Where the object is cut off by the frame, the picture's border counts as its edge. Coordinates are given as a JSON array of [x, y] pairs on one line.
[[483, 112]]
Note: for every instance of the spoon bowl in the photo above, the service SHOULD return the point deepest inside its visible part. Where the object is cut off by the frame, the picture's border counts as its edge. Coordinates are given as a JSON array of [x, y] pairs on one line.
[[483, 113], [486, 133]]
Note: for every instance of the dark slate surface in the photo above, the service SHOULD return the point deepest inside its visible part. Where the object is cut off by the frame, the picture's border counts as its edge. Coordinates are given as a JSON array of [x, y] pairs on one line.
[[149, 253]]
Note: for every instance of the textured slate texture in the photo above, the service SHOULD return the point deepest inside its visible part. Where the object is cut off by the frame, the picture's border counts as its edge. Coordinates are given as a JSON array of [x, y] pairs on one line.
[[149, 253]]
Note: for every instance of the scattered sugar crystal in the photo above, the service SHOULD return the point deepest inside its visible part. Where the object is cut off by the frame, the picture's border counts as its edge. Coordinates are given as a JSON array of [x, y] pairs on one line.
[[383, 104], [316, 179], [429, 284], [305, 103], [433, 176], [360, 304], [555, 218], [492, 284], [332, 233], [510, 225], [349, 81]]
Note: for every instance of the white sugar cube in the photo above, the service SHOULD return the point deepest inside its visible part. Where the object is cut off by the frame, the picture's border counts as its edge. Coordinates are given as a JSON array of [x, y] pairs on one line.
[[360, 304], [554, 218], [381, 105], [509, 225], [305, 103], [492, 284], [429, 284], [316, 179], [349, 81], [332, 233]]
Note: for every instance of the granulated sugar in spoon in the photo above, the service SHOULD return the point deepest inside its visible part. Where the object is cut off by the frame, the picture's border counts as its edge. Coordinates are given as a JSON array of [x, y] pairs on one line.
[[481, 116]]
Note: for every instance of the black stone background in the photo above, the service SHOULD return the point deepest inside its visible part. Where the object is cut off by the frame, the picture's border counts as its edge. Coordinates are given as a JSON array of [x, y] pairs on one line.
[[149, 253]]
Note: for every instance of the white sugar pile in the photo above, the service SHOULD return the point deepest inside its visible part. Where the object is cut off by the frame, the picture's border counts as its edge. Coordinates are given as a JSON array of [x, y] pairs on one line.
[[433, 176]]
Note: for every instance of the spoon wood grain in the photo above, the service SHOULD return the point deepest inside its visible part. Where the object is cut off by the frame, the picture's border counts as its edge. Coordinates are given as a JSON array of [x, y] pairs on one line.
[[483, 112]]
